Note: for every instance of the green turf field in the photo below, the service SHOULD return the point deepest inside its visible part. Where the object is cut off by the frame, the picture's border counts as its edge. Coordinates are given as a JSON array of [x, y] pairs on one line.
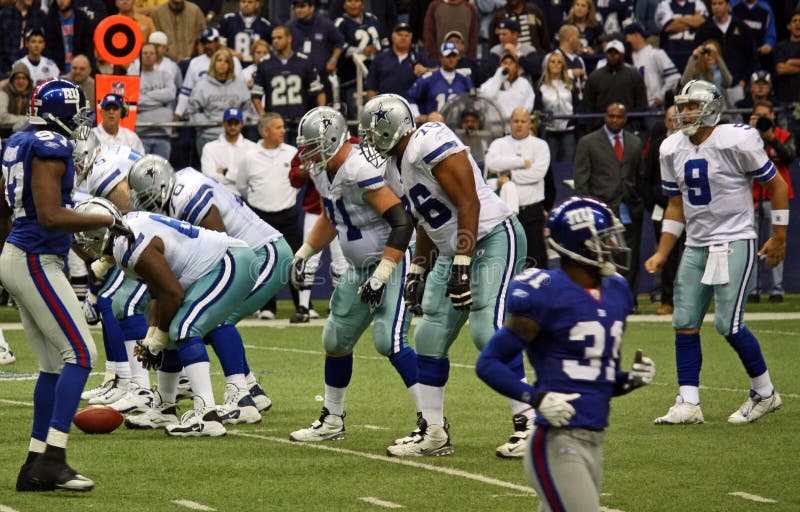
[[648, 468]]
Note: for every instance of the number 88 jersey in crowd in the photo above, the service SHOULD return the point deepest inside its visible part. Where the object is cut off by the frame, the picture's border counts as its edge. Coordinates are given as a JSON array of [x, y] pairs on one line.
[[578, 345], [430, 144], [714, 179]]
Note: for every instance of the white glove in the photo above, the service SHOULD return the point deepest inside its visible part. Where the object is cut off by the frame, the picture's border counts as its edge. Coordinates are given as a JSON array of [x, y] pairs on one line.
[[100, 268], [556, 408], [156, 340], [90, 309], [643, 370]]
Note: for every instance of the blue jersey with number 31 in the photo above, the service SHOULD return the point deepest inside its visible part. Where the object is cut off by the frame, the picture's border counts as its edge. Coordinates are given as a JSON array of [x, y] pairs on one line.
[[577, 348], [21, 148]]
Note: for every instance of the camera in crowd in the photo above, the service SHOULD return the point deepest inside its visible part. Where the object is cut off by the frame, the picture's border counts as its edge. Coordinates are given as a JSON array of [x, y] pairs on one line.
[[705, 51]]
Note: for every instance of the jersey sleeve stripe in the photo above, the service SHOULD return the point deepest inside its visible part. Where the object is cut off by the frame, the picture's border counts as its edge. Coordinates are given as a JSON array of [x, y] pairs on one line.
[[370, 181], [101, 189], [670, 188], [187, 211], [201, 206], [132, 247], [765, 173], [438, 151]]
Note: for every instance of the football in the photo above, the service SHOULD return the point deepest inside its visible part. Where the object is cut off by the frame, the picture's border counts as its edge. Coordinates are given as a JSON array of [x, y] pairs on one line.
[[97, 419]]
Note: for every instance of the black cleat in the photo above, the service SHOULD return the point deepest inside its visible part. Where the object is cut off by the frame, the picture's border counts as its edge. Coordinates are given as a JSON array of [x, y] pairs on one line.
[[51, 472]]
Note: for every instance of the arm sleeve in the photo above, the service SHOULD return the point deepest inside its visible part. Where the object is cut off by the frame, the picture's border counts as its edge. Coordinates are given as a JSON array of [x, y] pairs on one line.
[[669, 183], [492, 366], [540, 161], [369, 177]]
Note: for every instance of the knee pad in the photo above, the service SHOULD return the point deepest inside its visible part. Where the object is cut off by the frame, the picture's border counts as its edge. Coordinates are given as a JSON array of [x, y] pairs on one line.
[[171, 362], [722, 326], [382, 338], [134, 327], [332, 339], [191, 351]]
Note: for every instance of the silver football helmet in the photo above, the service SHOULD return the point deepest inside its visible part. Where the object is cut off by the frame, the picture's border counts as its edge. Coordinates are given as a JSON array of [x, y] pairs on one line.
[[385, 119], [96, 242], [320, 135], [709, 106], [151, 180], [84, 155]]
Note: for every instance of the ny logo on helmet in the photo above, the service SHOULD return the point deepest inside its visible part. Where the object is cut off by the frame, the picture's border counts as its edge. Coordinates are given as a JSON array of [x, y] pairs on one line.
[[71, 96], [580, 218]]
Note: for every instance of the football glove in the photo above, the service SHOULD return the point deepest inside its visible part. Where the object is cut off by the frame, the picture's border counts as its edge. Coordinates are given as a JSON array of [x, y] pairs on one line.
[[120, 228], [298, 273], [458, 284], [414, 287], [643, 370], [556, 407], [149, 360], [98, 271], [90, 310], [371, 292]]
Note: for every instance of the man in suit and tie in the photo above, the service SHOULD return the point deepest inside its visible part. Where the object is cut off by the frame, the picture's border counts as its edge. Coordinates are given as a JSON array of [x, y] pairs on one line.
[[609, 166]]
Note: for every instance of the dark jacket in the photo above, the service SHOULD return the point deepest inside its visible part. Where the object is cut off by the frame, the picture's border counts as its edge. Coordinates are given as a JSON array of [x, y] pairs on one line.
[[621, 85], [82, 42], [738, 46]]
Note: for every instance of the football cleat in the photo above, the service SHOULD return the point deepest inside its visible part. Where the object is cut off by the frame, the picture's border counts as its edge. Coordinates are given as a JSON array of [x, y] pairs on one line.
[[682, 413], [238, 406], [99, 390], [312, 314], [266, 314], [6, 355], [328, 427], [137, 399], [50, 471], [515, 447], [301, 316], [434, 442], [755, 407], [114, 392], [184, 389], [24, 481], [158, 417], [200, 421], [263, 403], [415, 434]]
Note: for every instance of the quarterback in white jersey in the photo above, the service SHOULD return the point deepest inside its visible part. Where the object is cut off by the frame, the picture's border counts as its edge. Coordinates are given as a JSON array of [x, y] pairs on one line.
[[707, 171], [480, 246], [362, 208]]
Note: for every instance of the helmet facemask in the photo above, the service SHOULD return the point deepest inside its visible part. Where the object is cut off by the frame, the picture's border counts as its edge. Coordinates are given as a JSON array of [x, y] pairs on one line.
[[708, 108], [384, 121], [321, 134]]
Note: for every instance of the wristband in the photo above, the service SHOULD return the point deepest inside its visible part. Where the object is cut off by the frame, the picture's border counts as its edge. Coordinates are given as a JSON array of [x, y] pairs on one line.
[[673, 227], [462, 259], [780, 217], [90, 297], [150, 331], [416, 269], [101, 267], [384, 270], [305, 251]]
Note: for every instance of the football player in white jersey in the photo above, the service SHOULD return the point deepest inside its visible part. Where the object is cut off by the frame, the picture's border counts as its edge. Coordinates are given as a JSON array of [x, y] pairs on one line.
[[197, 278], [361, 207], [707, 170], [480, 246], [191, 196]]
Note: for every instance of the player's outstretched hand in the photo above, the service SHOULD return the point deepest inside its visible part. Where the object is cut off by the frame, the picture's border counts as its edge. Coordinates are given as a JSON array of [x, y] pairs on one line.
[[149, 360], [643, 370], [774, 250], [371, 291], [298, 273], [556, 407], [655, 264]]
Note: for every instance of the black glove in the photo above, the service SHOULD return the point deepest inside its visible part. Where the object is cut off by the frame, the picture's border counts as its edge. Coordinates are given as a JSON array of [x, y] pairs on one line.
[[371, 292], [413, 290], [149, 360], [458, 287], [298, 273], [120, 228]]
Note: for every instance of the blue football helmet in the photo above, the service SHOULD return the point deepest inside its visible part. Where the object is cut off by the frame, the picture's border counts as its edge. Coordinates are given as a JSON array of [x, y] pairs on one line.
[[61, 104], [587, 231]]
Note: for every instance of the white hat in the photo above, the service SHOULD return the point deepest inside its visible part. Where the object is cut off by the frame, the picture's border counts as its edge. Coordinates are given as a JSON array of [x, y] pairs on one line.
[[616, 44], [158, 38]]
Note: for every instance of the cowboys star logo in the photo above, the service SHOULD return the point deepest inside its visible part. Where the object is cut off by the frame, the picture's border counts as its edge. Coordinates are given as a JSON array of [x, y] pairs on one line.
[[381, 115], [327, 122], [150, 173]]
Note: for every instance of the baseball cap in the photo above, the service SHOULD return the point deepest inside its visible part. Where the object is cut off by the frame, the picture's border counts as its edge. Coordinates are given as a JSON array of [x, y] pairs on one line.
[[232, 113], [760, 76], [209, 34], [302, 2], [510, 24], [452, 33], [400, 27], [448, 49], [35, 31], [158, 38], [633, 28], [617, 45], [112, 99], [508, 55]]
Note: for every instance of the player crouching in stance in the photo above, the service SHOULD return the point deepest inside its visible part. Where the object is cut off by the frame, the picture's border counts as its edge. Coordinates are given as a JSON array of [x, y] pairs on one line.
[[196, 278], [362, 207], [570, 322], [707, 172], [38, 181]]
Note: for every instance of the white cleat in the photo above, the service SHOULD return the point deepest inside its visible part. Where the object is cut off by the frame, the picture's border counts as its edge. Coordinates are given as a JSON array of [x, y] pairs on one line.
[[755, 407], [682, 413], [434, 442], [158, 417], [200, 421], [414, 436], [266, 314], [99, 390], [328, 427], [262, 401], [113, 393], [137, 399], [6, 355], [515, 447], [313, 315], [238, 407], [184, 389]]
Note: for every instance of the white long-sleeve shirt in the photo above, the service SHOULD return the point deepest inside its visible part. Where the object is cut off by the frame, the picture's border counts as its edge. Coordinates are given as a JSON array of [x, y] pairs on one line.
[[509, 95], [660, 74], [262, 178], [221, 154], [124, 137], [509, 154]]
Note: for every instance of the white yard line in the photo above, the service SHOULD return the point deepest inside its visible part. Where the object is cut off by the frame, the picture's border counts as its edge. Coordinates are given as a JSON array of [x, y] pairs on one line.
[[5, 508], [193, 505], [380, 503], [15, 402], [752, 497]]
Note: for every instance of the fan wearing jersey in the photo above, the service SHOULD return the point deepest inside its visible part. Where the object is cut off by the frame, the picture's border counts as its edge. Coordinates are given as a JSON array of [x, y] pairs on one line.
[[570, 322], [193, 197], [432, 90], [197, 278], [480, 246], [707, 173], [361, 207], [38, 181], [241, 29]]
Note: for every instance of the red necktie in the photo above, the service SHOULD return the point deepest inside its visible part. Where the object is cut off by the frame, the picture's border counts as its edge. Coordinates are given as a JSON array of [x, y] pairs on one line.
[[618, 147]]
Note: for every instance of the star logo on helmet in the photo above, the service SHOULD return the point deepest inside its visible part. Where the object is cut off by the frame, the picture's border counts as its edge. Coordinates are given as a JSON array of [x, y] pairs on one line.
[[327, 122], [150, 173], [381, 114]]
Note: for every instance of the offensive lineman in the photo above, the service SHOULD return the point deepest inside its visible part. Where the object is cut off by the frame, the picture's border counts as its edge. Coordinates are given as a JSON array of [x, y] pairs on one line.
[[480, 247], [707, 172], [374, 230]]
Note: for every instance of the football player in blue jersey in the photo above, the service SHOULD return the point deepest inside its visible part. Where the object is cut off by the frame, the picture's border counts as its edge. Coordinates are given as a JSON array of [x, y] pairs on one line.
[[432, 90], [38, 181], [570, 323]]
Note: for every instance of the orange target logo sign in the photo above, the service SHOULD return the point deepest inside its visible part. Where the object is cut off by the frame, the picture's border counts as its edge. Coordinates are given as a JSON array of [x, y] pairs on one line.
[[118, 40]]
